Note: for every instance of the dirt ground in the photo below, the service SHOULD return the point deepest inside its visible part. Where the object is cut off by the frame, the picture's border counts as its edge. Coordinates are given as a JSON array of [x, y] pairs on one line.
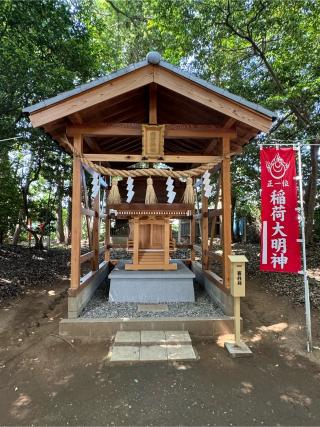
[[47, 381]]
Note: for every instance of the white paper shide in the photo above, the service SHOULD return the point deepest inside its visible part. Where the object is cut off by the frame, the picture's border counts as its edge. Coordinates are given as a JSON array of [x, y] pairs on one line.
[[170, 193], [130, 192]]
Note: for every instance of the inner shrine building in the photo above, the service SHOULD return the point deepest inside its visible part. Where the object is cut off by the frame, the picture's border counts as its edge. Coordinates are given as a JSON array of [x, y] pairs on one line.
[[141, 138]]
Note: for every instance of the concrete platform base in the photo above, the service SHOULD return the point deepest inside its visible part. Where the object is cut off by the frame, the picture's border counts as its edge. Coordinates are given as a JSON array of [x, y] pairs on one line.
[[151, 286], [77, 302], [223, 299], [238, 351], [103, 328]]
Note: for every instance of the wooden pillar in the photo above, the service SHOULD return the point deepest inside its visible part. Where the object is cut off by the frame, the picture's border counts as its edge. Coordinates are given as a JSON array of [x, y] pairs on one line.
[[226, 209], [136, 239], [204, 231], [107, 233], [76, 215], [166, 254], [192, 237], [214, 217], [96, 231]]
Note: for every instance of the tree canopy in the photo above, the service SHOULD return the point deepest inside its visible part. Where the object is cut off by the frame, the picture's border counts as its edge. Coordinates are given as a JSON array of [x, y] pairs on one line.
[[264, 50]]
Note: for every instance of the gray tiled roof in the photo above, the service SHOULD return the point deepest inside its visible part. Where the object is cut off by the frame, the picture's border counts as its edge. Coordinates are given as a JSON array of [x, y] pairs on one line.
[[161, 63]]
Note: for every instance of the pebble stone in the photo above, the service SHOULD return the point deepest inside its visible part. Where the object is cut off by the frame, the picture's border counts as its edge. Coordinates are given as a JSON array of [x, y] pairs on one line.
[[100, 307]]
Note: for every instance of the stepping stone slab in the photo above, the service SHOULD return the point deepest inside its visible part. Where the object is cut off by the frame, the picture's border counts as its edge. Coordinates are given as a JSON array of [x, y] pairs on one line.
[[181, 352], [177, 337], [153, 308], [153, 353], [152, 337], [127, 338], [123, 353]]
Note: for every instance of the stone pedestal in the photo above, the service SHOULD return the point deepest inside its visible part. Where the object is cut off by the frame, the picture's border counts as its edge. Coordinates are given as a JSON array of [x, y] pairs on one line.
[[151, 286]]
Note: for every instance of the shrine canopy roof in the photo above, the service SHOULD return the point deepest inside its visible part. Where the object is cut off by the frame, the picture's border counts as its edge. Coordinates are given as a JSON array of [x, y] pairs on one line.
[[111, 109]]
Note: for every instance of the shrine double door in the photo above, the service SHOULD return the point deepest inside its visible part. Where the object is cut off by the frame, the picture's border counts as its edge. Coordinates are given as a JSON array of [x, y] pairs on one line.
[[150, 242]]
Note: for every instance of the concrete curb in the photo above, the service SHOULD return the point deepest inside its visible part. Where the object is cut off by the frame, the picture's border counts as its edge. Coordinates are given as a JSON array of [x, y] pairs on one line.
[[104, 328]]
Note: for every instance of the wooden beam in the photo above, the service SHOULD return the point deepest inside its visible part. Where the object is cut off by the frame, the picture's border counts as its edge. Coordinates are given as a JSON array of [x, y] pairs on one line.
[[153, 104], [229, 123], [172, 131], [76, 119], [226, 210], [212, 100], [86, 257], [76, 215], [106, 129], [168, 158], [93, 96], [86, 280], [175, 210]]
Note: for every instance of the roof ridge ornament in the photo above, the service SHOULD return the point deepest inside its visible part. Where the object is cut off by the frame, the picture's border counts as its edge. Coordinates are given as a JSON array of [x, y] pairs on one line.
[[153, 57]]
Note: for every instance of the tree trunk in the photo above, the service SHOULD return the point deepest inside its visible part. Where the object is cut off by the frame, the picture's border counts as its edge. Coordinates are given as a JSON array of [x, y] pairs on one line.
[[38, 241], [311, 193], [60, 228], [17, 231]]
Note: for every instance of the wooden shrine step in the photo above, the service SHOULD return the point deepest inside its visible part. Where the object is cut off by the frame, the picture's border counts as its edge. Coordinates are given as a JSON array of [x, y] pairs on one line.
[[152, 266], [154, 256]]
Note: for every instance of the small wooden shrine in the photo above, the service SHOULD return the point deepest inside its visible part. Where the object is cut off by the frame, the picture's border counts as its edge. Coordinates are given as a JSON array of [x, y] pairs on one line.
[[145, 134]]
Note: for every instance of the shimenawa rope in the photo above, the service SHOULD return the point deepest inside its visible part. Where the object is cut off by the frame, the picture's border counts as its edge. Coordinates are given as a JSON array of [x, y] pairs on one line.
[[140, 172]]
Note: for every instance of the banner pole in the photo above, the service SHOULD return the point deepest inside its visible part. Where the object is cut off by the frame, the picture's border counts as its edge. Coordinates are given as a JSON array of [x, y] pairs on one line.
[[304, 255]]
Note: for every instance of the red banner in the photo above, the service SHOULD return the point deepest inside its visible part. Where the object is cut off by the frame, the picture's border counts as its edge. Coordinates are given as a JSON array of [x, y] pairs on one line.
[[280, 248]]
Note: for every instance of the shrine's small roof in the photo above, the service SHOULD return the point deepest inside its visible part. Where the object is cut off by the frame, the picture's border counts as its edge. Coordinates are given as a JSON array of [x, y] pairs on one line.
[[153, 58]]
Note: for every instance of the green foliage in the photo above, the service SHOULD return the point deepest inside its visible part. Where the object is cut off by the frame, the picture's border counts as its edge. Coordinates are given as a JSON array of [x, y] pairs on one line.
[[9, 197], [266, 51]]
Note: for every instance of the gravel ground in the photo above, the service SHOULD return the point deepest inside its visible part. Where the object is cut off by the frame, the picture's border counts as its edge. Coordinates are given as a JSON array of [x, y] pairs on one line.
[[99, 306]]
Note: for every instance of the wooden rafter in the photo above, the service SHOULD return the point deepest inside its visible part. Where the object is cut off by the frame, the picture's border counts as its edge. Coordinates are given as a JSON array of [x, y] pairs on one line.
[[215, 101], [193, 114], [98, 94], [97, 114]]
